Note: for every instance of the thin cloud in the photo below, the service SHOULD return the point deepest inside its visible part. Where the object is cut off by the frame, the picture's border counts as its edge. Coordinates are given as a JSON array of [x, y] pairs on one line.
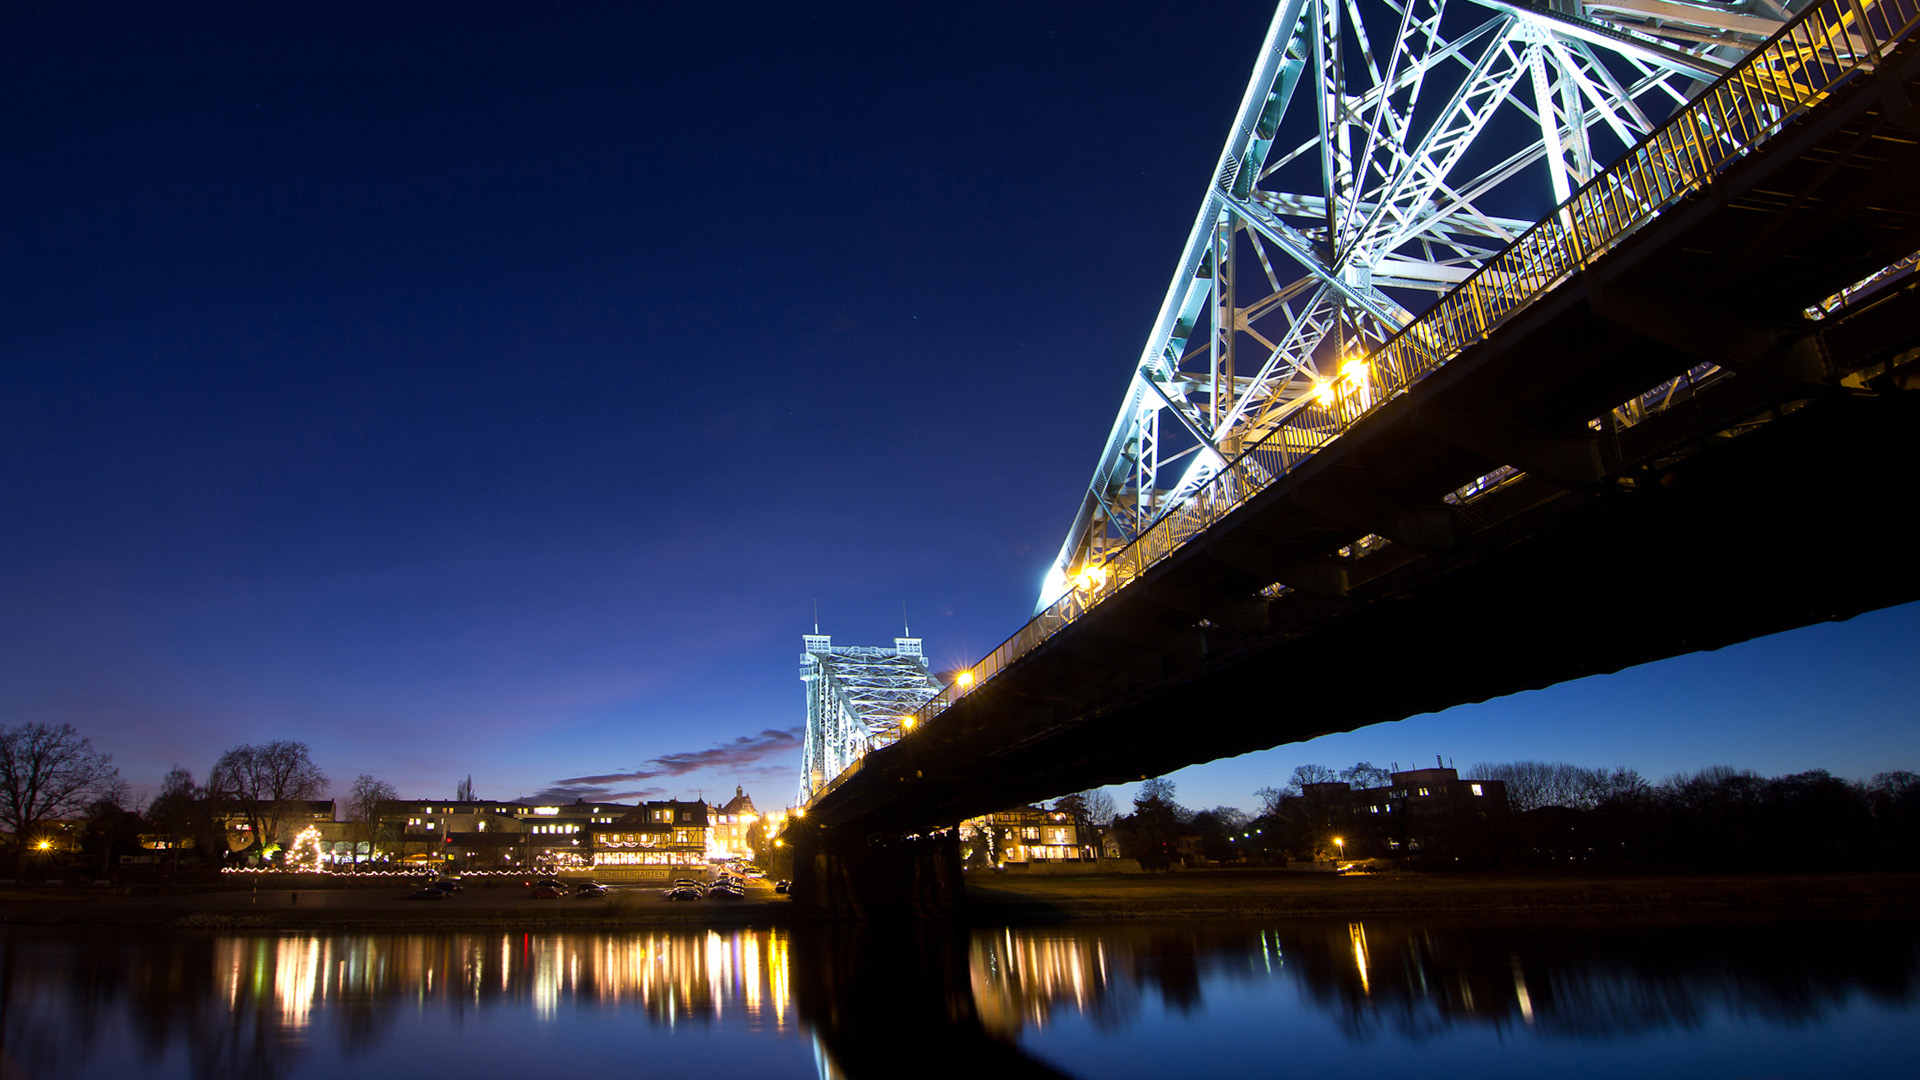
[[745, 753], [566, 793]]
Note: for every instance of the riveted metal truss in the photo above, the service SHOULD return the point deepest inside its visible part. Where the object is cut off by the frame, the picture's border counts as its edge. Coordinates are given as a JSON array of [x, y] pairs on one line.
[[1383, 151], [857, 698]]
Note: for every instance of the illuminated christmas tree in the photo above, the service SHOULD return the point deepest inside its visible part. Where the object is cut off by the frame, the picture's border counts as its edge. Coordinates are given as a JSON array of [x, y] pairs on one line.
[[305, 852]]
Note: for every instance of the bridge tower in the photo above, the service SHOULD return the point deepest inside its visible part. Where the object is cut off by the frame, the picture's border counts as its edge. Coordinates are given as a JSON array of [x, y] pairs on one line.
[[1381, 154], [858, 697]]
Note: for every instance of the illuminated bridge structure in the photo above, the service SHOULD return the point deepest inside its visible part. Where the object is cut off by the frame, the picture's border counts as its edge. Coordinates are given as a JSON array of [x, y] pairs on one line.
[[858, 697], [1388, 450]]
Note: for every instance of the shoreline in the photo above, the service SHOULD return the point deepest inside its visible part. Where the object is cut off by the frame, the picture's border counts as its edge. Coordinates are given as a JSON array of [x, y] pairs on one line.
[[1000, 900]]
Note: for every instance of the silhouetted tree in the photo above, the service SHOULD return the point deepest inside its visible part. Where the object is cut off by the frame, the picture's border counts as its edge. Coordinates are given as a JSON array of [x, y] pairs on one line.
[[1366, 775], [178, 813], [47, 772], [1220, 832], [265, 782], [1151, 833], [364, 809], [113, 825], [1310, 774]]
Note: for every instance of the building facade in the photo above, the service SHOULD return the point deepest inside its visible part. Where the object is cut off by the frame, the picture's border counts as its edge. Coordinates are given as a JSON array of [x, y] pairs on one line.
[[1024, 834], [1428, 815], [731, 823], [493, 834], [655, 840]]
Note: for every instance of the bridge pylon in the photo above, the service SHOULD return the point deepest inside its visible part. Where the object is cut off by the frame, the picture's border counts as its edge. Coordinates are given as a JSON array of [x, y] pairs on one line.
[[850, 875], [1380, 155], [858, 698]]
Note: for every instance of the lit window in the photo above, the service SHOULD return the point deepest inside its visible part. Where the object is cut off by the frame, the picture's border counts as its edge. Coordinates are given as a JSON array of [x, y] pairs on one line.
[[1476, 789]]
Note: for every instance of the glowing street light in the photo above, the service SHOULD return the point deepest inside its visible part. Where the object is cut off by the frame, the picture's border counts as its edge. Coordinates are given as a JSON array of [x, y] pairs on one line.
[[1091, 577], [964, 680]]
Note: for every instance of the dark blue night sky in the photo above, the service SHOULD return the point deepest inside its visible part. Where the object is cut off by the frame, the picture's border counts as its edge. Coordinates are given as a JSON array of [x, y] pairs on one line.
[[495, 388]]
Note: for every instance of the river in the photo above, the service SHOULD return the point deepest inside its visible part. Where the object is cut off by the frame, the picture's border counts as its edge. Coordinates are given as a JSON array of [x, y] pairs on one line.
[[1383, 996]]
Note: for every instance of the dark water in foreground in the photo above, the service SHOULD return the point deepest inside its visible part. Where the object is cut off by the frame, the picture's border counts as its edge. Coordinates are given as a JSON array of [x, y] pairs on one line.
[[1381, 997]]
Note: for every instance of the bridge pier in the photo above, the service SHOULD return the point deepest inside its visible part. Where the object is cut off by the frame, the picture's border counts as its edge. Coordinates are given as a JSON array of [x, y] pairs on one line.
[[892, 999], [846, 877]]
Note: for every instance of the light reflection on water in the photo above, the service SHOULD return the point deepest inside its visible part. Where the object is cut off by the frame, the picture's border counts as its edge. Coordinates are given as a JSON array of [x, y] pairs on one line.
[[669, 976], [833, 1001]]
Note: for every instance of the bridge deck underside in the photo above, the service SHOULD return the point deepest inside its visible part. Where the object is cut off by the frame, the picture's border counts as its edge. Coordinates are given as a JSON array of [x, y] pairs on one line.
[[1772, 496]]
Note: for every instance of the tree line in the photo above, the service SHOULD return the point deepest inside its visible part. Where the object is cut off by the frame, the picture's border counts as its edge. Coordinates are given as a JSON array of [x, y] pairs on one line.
[[1714, 819], [50, 775], [1730, 819]]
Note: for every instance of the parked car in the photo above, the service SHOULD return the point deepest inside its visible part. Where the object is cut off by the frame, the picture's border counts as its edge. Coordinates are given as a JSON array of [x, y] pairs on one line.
[[683, 892], [427, 892], [725, 892], [548, 892], [783, 887], [587, 889]]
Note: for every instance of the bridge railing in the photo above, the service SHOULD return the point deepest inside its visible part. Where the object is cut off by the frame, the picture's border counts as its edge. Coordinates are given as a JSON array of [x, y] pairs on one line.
[[1806, 61]]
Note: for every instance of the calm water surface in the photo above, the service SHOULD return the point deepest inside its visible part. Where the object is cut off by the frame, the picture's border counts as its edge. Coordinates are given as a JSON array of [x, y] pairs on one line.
[[1379, 997]]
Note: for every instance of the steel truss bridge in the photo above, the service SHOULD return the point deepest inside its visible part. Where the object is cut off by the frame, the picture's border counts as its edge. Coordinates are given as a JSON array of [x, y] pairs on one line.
[[1511, 343], [858, 698]]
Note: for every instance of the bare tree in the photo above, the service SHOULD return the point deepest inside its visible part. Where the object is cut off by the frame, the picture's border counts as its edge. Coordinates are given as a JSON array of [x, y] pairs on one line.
[[1365, 774], [264, 781], [1159, 788], [177, 812], [1311, 774], [1534, 784], [1100, 809], [47, 773], [463, 792], [1271, 799], [363, 807], [113, 822]]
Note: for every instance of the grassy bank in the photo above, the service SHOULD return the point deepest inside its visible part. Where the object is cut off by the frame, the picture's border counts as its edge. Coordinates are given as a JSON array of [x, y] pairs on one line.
[[995, 899], [1274, 893]]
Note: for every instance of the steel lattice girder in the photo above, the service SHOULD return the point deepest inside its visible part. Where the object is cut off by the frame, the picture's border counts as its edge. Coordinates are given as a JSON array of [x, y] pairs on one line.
[[856, 697], [1382, 151]]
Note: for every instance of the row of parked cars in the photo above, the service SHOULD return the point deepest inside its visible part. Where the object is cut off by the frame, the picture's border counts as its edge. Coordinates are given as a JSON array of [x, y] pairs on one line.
[[555, 889], [437, 889], [724, 887]]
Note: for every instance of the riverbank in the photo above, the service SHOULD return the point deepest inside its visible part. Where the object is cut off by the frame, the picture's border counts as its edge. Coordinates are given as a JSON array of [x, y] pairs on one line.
[[1274, 893], [992, 900]]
